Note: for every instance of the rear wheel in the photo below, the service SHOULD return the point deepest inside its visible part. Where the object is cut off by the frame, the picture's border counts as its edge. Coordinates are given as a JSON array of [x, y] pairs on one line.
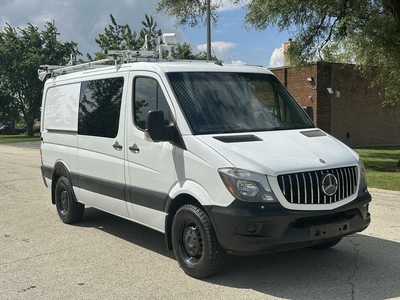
[[328, 244], [69, 210], [195, 244]]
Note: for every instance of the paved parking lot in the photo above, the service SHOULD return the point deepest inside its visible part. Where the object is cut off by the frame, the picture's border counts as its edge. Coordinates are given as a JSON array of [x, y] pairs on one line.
[[105, 257]]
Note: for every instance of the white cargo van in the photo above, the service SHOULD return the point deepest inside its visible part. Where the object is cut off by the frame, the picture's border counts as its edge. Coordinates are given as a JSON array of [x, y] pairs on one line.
[[220, 158]]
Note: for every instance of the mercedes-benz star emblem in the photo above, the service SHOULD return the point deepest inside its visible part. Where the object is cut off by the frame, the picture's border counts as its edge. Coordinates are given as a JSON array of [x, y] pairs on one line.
[[329, 184]]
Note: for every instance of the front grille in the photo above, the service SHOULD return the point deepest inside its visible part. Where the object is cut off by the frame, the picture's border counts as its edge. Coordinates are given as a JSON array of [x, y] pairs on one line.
[[306, 187]]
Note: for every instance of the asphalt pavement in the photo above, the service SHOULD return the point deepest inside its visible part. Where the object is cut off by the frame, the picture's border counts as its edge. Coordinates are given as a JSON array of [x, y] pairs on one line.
[[105, 257]]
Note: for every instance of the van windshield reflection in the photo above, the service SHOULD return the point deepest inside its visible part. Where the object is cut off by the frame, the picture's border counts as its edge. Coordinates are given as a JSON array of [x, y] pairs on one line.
[[222, 102]]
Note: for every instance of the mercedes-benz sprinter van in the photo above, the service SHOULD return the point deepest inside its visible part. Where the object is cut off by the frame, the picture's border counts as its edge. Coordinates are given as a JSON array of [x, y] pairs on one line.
[[220, 158]]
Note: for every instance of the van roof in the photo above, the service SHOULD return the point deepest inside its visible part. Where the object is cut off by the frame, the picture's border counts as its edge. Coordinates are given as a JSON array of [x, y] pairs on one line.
[[159, 67], [197, 66]]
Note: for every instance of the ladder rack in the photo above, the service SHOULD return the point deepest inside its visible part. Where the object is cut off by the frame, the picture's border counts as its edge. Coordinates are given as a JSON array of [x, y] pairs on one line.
[[45, 70], [124, 56], [119, 56]]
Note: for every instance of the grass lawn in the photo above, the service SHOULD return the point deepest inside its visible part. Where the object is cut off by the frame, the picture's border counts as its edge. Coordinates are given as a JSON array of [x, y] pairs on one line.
[[380, 164], [18, 138]]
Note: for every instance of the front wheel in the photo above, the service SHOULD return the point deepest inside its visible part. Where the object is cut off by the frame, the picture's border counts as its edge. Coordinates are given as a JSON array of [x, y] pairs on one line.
[[69, 210], [195, 244]]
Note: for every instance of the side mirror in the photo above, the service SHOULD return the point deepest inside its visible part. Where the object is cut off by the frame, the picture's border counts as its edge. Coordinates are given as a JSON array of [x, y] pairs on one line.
[[158, 132], [155, 126]]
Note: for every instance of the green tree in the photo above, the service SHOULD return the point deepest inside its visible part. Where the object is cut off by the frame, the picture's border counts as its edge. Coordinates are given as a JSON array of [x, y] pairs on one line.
[[183, 51], [121, 37], [115, 37], [22, 51], [364, 32], [8, 110], [188, 12], [150, 30], [203, 56]]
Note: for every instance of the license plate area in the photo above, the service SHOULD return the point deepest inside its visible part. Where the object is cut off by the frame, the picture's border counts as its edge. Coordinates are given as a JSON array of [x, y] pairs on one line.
[[328, 231]]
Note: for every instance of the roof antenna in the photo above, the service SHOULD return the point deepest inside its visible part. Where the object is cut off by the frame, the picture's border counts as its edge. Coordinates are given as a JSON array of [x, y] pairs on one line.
[[72, 60]]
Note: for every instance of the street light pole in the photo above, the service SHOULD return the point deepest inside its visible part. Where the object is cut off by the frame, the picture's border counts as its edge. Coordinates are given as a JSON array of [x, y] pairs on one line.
[[208, 30]]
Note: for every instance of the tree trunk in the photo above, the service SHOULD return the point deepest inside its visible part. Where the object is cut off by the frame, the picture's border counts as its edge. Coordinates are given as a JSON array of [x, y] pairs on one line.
[[29, 128]]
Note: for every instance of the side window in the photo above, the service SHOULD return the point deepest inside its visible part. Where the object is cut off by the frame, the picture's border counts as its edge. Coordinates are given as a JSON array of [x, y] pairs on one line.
[[270, 98], [99, 107], [149, 96], [284, 111]]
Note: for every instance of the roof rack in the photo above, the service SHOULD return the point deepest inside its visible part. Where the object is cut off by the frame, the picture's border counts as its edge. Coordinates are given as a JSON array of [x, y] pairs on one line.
[[124, 56], [45, 70]]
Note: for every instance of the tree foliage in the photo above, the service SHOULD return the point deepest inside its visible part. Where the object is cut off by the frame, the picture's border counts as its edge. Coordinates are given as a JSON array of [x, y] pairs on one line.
[[185, 51], [121, 37], [188, 12], [150, 30], [364, 32], [22, 51], [115, 37]]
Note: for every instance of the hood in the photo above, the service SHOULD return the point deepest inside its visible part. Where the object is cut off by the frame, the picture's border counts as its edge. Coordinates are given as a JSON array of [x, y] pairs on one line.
[[282, 152]]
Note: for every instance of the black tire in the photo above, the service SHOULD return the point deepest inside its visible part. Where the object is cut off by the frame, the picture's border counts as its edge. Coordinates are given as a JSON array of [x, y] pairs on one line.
[[69, 210], [195, 244], [328, 244]]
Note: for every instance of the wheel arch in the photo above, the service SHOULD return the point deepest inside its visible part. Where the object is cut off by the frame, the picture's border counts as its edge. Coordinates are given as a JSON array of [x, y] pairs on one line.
[[60, 169], [183, 192], [172, 207]]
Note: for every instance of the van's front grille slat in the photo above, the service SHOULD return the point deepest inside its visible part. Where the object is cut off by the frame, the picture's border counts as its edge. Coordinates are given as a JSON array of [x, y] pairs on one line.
[[313, 187]]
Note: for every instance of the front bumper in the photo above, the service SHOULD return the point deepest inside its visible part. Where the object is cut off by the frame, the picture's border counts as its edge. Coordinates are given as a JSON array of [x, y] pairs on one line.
[[246, 228]]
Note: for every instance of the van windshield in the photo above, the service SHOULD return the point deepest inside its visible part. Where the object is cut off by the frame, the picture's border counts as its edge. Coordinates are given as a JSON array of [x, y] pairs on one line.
[[222, 102]]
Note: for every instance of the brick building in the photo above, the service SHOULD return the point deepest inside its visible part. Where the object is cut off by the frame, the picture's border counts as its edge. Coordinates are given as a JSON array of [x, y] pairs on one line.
[[343, 103]]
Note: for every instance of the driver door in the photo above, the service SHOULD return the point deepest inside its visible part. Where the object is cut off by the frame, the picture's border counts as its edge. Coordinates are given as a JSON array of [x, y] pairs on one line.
[[150, 165]]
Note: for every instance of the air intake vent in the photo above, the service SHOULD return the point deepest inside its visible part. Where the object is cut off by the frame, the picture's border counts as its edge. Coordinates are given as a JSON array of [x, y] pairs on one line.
[[238, 138], [313, 133]]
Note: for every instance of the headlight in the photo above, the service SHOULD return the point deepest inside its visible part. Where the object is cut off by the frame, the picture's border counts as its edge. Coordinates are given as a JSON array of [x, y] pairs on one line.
[[247, 186], [363, 179]]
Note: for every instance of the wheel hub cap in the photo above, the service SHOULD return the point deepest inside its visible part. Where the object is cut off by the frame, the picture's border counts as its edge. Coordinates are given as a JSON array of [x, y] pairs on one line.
[[192, 241], [64, 201]]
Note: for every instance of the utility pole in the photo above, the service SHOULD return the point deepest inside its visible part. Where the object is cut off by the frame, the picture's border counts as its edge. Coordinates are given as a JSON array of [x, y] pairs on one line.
[[208, 30]]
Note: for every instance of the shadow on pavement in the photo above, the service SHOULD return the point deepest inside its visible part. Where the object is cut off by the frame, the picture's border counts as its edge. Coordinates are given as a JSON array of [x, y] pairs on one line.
[[360, 267]]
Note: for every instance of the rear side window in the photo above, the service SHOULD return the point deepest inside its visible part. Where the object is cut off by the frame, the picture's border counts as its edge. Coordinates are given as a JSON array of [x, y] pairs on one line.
[[99, 107], [61, 108], [148, 96]]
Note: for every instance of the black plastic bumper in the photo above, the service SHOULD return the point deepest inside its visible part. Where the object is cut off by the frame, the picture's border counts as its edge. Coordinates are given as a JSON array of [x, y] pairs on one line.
[[252, 228]]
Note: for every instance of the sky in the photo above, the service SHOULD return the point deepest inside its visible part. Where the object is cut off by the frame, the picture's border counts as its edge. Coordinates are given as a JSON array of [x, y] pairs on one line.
[[82, 21]]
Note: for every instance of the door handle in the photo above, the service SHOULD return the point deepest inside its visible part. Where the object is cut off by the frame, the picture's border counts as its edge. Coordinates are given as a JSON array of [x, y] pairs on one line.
[[117, 146], [134, 148]]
